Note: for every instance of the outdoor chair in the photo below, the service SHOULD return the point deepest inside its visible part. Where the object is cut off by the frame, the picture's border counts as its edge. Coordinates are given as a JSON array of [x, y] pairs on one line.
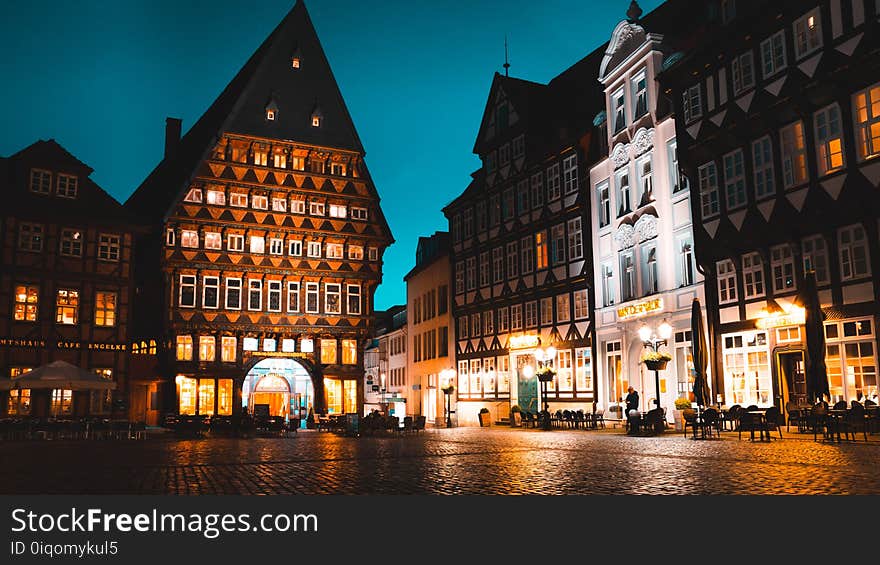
[[559, 418], [579, 420], [392, 424], [420, 424], [407, 424], [729, 417], [819, 419], [771, 421], [793, 416], [855, 420], [598, 419], [654, 422], [744, 422], [689, 419], [840, 405], [139, 430], [711, 422]]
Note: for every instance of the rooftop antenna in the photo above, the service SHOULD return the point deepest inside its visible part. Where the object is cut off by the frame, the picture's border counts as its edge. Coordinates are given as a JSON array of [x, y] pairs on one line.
[[506, 63]]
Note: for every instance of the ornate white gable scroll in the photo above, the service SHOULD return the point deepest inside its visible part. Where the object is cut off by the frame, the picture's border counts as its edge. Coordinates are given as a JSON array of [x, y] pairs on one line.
[[620, 155], [643, 141], [645, 228], [625, 236]]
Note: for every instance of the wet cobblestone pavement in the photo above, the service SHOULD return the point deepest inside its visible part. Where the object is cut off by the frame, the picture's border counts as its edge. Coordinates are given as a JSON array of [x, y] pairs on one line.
[[456, 461]]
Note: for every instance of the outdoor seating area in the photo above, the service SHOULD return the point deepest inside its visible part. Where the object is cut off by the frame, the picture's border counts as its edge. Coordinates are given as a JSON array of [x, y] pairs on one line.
[[376, 423], [92, 428]]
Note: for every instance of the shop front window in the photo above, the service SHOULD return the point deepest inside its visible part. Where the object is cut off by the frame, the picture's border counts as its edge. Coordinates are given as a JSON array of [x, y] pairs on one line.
[[851, 360], [62, 402], [328, 351], [19, 402], [333, 392], [747, 378], [350, 389], [186, 395], [224, 397], [206, 396], [583, 371]]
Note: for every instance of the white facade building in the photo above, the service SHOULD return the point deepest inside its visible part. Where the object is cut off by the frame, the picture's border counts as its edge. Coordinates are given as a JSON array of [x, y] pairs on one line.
[[644, 266]]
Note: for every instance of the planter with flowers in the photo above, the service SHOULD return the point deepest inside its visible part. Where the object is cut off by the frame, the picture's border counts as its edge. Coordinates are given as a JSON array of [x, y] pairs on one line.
[[656, 360], [681, 404], [545, 374], [485, 418]]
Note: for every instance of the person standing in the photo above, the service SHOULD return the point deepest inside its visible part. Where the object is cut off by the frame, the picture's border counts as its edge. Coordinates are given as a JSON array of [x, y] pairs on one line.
[[632, 409]]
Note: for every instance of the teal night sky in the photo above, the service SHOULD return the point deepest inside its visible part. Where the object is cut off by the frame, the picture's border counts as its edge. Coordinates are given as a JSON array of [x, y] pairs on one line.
[[100, 77]]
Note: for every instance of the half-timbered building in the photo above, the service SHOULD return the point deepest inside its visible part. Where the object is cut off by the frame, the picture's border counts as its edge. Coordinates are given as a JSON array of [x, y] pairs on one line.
[[266, 242], [778, 115]]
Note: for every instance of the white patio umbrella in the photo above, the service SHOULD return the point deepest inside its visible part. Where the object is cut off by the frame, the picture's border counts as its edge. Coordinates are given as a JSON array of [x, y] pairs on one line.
[[58, 374]]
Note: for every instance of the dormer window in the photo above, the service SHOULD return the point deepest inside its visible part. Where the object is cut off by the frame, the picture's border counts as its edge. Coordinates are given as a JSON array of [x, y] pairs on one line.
[[41, 181], [67, 185], [270, 115], [294, 62], [316, 121]]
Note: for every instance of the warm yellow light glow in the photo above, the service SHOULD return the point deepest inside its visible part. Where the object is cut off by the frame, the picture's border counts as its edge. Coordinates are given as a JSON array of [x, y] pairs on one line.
[[524, 341], [640, 308], [270, 114], [528, 371], [665, 330], [644, 332], [811, 22]]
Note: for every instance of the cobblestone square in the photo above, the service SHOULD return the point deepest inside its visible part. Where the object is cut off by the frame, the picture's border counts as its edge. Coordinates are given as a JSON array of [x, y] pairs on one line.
[[445, 461]]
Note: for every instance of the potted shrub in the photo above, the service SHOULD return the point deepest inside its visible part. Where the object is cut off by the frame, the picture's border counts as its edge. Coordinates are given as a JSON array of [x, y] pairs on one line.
[[681, 404], [515, 416], [485, 418], [545, 374], [656, 360]]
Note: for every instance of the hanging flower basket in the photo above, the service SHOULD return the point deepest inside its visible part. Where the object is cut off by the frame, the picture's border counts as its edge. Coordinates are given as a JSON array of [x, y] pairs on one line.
[[546, 374], [656, 360], [448, 389]]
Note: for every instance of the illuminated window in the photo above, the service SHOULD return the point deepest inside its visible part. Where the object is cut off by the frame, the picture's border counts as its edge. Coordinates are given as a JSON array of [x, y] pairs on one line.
[[335, 250], [71, 243], [866, 110], [273, 297], [279, 205], [541, 256], [270, 115], [67, 186], [238, 199], [62, 402], [41, 181], [105, 308], [349, 351], [746, 361], [298, 163], [211, 292], [228, 347], [279, 159], [207, 348], [251, 344], [257, 244], [350, 392], [224, 397], [184, 348], [332, 298], [261, 157], [233, 294], [297, 206], [328, 351], [213, 240], [206, 397], [337, 211], [66, 306], [235, 242], [355, 252], [316, 121], [30, 237], [807, 33], [314, 249], [260, 201], [333, 394], [829, 139], [186, 395], [194, 195], [19, 402], [794, 154], [255, 295], [26, 299], [187, 291], [217, 197], [295, 62], [189, 238]]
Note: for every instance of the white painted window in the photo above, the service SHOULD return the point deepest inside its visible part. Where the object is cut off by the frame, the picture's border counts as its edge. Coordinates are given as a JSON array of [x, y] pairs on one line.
[[693, 103], [335, 251], [373, 253], [238, 199], [753, 275], [353, 293], [260, 201], [853, 251], [228, 349], [773, 54], [293, 296], [337, 211], [187, 297], [312, 303], [261, 156], [41, 181], [640, 94], [255, 295], [30, 237], [169, 237], [743, 68], [235, 242], [677, 180], [547, 311], [279, 159], [314, 249], [618, 110], [463, 327], [512, 260], [216, 197], [503, 319], [553, 184], [189, 238], [295, 248], [498, 264], [829, 139], [624, 197], [71, 242], [575, 239], [459, 277], [471, 272], [213, 240], [274, 296], [603, 198], [686, 265], [332, 298], [257, 244], [516, 317], [815, 256], [468, 222], [563, 308], [532, 314], [67, 186], [807, 33], [649, 268], [794, 154], [276, 246], [279, 205], [607, 284], [734, 180], [109, 247], [476, 330], [527, 255], [297, 206], [358, 213], [782, 267], [484, 269], [233, 294], [726, 281], [762, 161], [316, 208], [569, 166], [627, 276], [581, 305], [646, 181], [866, 112], [708, 190], [194, 195]]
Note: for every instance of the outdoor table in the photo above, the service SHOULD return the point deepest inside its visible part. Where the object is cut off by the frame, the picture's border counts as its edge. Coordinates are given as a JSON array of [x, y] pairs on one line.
[[759, 420]]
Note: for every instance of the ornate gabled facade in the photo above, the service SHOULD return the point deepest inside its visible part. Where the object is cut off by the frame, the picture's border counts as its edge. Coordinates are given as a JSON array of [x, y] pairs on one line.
[[521, 270], [642, 241], [778, 116], [266, 243], [65, 288]]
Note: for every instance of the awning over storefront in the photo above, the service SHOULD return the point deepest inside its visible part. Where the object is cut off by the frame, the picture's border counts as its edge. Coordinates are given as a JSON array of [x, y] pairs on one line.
[[60, 375]]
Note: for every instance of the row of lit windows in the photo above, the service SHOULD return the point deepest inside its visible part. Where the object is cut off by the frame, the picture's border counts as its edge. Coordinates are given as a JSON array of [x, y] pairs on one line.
[[640, 270], [852, 251], [529, 315], [31, 237], [806, 38], [316, 207], [529, 254], [261, 154], [66, 186], [792, 149], [276, 245], [489, 376], [269, 296], [185, 348], [530, 193], [67, 302]]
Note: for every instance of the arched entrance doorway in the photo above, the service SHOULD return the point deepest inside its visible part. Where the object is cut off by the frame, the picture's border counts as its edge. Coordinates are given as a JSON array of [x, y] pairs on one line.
[[278, 387]]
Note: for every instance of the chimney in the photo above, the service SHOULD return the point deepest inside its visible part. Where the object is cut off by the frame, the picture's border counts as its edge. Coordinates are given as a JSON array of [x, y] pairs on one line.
[[172, 134]]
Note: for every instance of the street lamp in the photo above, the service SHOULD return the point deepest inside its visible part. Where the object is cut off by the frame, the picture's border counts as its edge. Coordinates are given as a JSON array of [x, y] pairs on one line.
[[448, 376], [545, 374], [653, 340]]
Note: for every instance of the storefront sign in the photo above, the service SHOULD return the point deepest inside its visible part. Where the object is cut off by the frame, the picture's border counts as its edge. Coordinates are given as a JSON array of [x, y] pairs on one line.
[[524, 341], [794, 318], [41, 344], [640, 308], [285, 354]]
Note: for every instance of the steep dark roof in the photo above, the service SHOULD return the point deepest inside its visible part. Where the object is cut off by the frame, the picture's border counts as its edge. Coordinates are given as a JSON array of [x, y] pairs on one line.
[[525, 96], [429, 250], [267, 78], [92, 205]]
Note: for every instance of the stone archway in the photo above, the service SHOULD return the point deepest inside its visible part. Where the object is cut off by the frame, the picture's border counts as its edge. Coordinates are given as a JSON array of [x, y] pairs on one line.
[[269, 381]]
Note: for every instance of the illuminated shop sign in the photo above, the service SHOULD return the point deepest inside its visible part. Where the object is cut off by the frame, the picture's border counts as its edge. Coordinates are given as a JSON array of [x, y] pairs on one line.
[[41, 344], [794, 318], [524, 341], [640, 308]]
